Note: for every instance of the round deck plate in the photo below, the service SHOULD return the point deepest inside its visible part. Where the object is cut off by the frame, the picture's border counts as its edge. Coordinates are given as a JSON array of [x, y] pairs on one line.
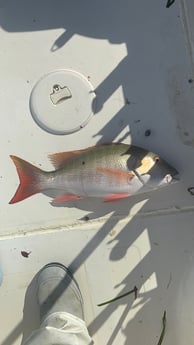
[[62, 102]]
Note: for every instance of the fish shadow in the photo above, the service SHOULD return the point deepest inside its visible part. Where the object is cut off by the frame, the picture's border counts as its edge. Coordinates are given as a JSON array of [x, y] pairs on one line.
[[164, 198]]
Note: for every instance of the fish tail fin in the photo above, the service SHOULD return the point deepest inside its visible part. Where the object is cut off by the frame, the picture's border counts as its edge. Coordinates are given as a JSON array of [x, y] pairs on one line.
[[30, 179]]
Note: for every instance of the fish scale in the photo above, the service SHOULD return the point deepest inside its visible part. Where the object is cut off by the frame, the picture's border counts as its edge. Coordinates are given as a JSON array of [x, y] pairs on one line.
[[111, 171], [83, 170]]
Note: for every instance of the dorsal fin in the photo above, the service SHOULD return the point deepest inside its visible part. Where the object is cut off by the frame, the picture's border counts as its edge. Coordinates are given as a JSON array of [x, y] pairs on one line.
[[59, 159]]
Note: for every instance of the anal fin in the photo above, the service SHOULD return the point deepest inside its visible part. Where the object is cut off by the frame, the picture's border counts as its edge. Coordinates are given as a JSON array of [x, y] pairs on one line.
[[66, 197]]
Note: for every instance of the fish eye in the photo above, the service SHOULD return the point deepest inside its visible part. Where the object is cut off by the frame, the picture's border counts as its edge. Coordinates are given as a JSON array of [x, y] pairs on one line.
[[168, 178], [156, 159]]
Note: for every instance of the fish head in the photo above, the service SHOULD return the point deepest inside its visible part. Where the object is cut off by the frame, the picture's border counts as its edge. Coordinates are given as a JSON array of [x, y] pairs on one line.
[[155, 172]]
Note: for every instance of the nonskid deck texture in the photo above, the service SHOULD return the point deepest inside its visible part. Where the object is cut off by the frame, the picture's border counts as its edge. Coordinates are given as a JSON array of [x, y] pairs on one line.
[[139, 61]]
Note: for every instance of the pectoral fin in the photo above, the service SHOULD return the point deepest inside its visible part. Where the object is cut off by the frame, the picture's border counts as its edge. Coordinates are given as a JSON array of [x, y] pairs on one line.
[[115, 197], [118, 174]]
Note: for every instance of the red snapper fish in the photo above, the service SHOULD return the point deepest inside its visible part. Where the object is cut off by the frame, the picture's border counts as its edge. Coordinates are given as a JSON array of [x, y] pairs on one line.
[[109, 171]]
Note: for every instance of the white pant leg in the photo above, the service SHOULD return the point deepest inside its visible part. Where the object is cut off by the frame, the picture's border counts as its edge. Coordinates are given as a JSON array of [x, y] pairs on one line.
[[61, 328]]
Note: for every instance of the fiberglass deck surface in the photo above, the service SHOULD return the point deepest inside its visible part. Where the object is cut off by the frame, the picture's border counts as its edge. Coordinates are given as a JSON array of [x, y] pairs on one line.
[[138, 56]]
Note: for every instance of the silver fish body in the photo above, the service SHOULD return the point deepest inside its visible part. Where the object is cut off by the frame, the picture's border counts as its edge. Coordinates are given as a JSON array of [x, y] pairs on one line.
[[110, 171], [83, 175]]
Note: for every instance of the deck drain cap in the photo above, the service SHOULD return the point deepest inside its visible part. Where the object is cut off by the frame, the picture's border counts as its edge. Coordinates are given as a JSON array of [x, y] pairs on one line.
[[62, 102]]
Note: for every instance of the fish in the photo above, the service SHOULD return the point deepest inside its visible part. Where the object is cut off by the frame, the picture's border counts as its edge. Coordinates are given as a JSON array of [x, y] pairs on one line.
[[110, 171]]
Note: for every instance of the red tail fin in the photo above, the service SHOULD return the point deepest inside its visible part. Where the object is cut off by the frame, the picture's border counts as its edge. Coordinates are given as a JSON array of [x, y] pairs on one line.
[[29, 176]]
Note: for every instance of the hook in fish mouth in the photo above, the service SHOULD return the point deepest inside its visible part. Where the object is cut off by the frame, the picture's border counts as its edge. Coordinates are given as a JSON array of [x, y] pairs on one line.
[[138, 176]]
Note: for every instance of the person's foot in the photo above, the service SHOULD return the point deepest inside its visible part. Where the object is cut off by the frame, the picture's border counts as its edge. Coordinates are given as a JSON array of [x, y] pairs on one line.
[[58, 291]]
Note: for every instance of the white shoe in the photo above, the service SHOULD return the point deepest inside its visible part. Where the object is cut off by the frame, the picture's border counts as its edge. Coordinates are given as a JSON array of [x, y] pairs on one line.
[[58, 291]]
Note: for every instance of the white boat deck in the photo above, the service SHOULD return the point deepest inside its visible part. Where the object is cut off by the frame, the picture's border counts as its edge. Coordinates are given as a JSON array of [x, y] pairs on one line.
[[138, 56]]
